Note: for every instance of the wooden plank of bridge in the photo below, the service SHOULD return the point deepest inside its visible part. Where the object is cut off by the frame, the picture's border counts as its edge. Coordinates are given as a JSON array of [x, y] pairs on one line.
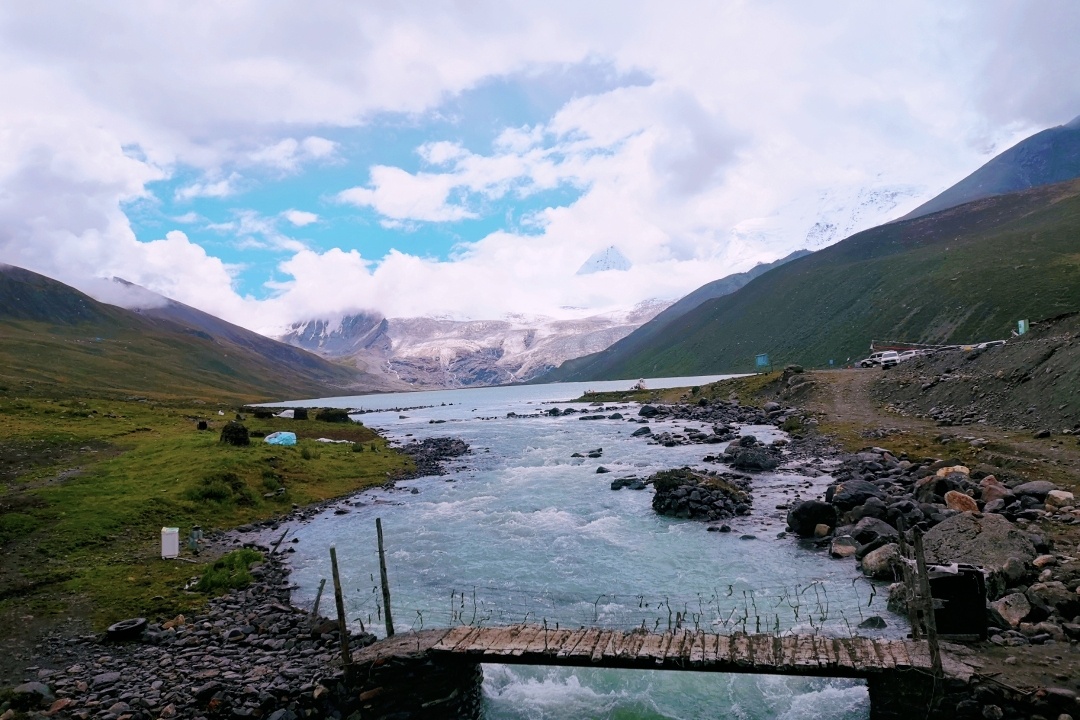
[[789, 652], [654, 647], [806, 654], [708, 653], [525, 635], [868, 653], [919, 654], [616, 645], [898, 648], [631, 648], [673, 652], [843, 659], [540, 642], [492, 639], [724, 647], [468, 640], [761, 651], [740, 650], [602, 644], [697, 649], [571, 642], [588, 644], [453, 637], [556, 640]]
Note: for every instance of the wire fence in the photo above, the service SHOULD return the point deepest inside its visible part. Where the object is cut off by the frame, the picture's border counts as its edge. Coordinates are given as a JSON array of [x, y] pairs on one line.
[[812, 607]]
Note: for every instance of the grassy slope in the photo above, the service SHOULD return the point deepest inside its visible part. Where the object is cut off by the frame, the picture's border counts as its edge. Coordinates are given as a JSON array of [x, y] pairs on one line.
[[54, 340], [93, 535], [962, 275]]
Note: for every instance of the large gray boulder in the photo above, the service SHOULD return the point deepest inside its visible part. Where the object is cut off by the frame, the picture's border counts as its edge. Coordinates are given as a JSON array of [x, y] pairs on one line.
[[850, 493], [869, 530], [1009, 611], [987, 541], [879, 564], [1037, 489], [805, 516]]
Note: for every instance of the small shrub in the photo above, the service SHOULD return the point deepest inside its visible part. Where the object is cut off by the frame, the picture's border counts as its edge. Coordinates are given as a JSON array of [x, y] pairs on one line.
[[235, 434], [792, 424], [299, 413], [309, 453], [357, 447], [334, 415], [270, 482], [229, 572], [222, 488], [695, 390]]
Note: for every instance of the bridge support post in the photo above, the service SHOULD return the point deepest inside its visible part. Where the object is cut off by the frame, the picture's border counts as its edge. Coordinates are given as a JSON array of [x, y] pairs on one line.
[[902, 695], [399, 679]]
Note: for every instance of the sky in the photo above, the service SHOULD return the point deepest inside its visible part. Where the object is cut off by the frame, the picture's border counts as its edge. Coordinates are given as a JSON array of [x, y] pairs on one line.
[[276, 162]]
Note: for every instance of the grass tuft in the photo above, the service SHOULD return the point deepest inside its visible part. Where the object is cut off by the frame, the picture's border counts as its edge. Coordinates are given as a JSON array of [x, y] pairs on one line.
[[229, 572]]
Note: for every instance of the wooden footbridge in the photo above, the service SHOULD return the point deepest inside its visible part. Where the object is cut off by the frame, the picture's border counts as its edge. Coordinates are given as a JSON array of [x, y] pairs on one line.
[[899, 673], [806, 655]]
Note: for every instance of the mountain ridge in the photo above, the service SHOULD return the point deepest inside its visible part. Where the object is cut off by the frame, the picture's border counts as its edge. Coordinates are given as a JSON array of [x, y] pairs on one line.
[[57, 339], [963, 274]]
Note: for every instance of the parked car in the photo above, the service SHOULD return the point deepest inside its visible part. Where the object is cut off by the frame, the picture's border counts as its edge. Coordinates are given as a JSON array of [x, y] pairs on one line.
[[874, 359], [907, 355], [889, 358]]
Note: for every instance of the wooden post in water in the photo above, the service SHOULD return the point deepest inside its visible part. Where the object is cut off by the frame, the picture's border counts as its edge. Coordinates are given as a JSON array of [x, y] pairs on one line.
[[909, 582], [928, 605], [318, 599], [385, 582], [343, 624]]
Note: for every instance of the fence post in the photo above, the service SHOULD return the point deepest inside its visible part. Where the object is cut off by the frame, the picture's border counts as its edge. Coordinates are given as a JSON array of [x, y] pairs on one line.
[[343, 624], [909, 581], [318, 599], [385, 582], [928, 605]]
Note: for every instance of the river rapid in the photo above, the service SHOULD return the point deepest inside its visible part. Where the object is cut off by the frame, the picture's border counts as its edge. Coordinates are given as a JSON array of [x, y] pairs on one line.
[[519, 530]]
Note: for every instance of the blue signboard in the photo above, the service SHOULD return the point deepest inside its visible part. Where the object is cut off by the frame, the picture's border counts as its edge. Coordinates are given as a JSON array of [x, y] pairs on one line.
[[763, 361]]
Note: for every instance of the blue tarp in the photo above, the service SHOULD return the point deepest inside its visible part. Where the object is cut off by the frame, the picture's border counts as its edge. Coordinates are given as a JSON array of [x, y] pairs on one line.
[[281, 438]]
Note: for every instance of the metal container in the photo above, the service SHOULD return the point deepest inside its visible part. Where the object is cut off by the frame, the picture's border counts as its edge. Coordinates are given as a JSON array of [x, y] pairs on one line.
[[170, 542], [959, 593]]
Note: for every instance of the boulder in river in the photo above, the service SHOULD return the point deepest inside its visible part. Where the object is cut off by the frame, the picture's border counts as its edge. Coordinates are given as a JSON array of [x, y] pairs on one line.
[[648, 411], [879, 564], [807, 515], [641, 431]]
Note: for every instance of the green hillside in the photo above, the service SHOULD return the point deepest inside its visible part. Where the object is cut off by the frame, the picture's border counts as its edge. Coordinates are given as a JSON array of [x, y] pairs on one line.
[[54, 341], [961, 275]]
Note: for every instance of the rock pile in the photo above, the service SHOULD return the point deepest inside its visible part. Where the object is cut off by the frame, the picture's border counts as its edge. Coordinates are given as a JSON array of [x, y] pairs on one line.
[[429, 453], [250, 654], [684, 493], [749, 454]]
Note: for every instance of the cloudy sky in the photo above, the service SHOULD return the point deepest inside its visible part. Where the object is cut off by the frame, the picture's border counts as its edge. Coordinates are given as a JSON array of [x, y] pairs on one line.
[[270, 162]]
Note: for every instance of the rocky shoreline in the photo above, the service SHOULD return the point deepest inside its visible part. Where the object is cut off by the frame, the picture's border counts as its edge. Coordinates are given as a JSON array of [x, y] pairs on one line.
[[250, 653]]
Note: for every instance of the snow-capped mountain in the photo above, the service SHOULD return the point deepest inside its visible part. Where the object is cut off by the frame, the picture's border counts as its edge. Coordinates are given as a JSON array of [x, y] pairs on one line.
[[816, 221], [430, 352], [607, 259]]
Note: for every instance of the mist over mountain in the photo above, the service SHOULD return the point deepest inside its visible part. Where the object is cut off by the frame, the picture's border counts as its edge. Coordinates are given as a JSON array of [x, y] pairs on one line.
[[430, 352], [1047, 157]]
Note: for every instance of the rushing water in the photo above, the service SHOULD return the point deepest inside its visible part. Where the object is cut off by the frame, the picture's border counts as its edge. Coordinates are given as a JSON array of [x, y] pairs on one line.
[[520, 530]]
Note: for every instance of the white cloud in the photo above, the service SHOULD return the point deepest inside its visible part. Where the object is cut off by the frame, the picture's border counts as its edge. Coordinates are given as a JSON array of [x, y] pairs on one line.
[[289, 154], [210, 188], [762, 120], [300, 218]]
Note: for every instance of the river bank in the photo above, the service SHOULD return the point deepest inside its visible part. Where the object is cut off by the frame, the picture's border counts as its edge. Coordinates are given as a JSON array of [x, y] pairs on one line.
[[489, 505]]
